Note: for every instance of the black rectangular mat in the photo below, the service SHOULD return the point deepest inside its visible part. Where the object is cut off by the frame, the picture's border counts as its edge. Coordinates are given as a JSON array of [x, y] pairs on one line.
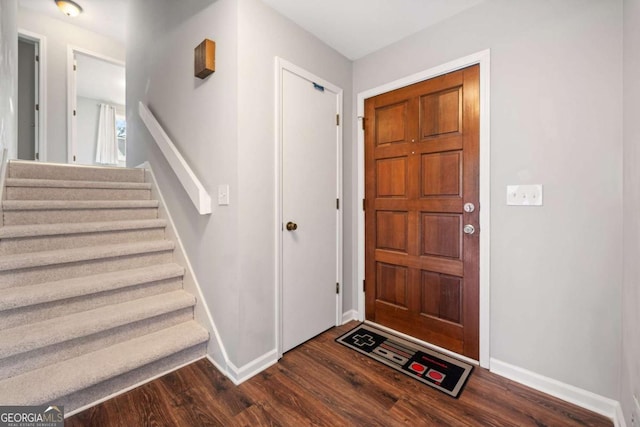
[[430, 367]]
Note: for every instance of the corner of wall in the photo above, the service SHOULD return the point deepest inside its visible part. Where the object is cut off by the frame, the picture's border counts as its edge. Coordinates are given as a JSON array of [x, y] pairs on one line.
[[240, 374]]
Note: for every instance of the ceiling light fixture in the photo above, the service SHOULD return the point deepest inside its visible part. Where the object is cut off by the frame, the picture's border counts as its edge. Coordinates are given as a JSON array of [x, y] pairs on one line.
[[68, 7]]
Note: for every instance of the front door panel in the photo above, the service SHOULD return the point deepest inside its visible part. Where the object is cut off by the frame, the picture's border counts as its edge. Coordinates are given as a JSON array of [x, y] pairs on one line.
[[422, 157]]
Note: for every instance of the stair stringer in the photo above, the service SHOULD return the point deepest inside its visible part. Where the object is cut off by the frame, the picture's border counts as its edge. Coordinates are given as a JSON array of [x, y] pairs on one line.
[[4, 170], [216, 351]]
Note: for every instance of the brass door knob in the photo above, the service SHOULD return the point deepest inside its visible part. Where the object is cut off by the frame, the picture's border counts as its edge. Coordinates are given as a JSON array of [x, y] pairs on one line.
[[292, 226]]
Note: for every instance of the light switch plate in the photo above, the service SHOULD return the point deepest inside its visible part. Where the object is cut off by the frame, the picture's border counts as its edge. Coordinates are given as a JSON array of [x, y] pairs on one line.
[[223, 194], [524, 195]]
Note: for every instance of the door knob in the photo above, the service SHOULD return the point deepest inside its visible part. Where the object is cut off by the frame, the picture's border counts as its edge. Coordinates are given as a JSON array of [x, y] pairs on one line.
[[292, 226], [469, 229]]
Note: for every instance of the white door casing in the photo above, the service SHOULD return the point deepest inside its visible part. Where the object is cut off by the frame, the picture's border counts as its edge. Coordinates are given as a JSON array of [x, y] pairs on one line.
[[40, 42], [72, 97], [310, 185]]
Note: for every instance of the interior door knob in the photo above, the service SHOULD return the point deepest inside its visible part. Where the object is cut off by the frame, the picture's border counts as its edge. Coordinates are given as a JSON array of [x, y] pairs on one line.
[[469, 229], [292, 226]]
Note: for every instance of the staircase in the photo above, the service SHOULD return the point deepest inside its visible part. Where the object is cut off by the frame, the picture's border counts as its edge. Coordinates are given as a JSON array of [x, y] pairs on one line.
[[91, 300]]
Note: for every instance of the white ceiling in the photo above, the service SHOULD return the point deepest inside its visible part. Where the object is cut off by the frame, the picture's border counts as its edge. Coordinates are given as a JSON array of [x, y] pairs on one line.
[[356, 28], [107, 17], [101, 80]]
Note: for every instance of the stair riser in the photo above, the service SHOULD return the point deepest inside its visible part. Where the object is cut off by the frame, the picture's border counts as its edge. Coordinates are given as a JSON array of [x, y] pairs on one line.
[[41, 312], [58, 193], [31, 276], [20, 363], [115, 385], [59, 216], [73, 173], [70, 241]]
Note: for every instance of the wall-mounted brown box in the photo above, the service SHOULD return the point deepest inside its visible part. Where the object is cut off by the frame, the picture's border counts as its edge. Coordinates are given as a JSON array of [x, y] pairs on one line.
[[205, 58]]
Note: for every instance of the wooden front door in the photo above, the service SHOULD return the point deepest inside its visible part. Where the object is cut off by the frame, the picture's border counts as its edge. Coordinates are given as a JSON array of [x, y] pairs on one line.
[[421, 168]]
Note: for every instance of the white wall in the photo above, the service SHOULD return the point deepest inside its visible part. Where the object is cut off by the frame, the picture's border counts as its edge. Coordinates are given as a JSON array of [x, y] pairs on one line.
[[87, 129], [8, 76], [61, 34], [224, 127], [264, 34], [201, 118], [556, 109], [630, 361]]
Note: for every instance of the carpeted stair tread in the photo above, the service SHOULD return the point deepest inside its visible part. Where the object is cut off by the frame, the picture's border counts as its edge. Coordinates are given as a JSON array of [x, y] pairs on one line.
[[25, 296], [42, 170], [18, 231], [24, 205], [52, 382], [39, 259], [24, 338], [91, 299], [55, 183]]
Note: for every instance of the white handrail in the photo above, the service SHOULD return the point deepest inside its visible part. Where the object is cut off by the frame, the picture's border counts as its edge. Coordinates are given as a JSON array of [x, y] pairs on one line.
[[187, 178]]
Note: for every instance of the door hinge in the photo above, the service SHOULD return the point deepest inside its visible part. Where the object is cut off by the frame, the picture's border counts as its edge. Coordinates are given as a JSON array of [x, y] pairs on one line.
[[37, 107], [37, 58], [75, 68], [74, 112], [74, 158], [364, 204], [364, 286], [337, 203], [337, 288], [337, 119], [37, 156], [362, 123]]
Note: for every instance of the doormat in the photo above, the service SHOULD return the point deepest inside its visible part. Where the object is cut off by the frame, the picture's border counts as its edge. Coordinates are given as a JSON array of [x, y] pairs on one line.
[[425, 365]]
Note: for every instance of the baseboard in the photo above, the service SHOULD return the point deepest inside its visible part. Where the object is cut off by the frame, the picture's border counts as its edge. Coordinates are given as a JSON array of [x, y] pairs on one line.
[[127, 389], [218, 366], [4, 171], [618, 420], [350, 315], [240, 375], [202, 313], [585, 399]]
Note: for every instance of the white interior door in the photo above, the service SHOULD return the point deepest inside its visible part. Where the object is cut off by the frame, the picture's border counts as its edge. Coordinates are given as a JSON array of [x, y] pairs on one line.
[[310, 267]]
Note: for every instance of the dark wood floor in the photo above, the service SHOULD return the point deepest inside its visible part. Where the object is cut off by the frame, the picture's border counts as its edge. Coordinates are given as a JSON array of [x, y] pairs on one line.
[[324, 383]]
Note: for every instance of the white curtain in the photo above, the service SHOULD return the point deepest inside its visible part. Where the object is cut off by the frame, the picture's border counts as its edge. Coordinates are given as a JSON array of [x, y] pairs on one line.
[[107, 146]]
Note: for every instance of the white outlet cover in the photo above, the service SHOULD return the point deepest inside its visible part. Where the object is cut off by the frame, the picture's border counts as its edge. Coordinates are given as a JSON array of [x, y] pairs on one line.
[[524, 195]]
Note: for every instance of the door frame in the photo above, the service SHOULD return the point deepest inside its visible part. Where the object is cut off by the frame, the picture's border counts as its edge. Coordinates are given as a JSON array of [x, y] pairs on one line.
[[72, 95], [280, 66], [41, 122], [483, 59]]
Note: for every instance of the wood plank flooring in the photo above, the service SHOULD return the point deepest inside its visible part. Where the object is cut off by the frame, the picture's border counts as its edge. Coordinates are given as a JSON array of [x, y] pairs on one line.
[[324, 383]]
